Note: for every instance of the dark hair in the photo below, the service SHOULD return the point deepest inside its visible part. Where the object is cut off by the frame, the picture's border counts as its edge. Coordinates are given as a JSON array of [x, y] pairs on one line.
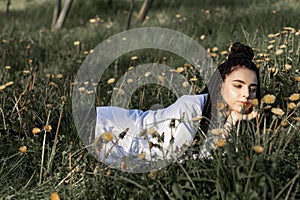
[[240, 56]]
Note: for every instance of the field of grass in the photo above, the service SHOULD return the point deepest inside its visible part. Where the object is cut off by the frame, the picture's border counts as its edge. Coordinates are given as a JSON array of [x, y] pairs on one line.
[[41, 155]]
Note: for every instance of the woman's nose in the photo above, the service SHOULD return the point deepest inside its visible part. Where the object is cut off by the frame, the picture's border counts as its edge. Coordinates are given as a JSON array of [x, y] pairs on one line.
[[245, 92]]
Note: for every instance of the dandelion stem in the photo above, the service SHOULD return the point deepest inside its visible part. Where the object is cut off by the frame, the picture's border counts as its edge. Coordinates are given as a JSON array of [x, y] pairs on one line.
[[250, 172], [3, 118]]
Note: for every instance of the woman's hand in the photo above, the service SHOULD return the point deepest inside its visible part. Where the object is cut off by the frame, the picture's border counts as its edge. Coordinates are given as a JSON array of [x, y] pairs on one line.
[[234, 117]]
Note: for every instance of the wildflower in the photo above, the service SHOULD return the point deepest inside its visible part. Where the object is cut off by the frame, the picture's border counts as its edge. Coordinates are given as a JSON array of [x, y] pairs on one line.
[[92, 21], [283, 122], [107, 136], [277, 111], [152, 174], [224, 53], [278, 52], [294, 97], [218, 131], [134, 58], [130, 80], [258, 149], [76, 43], [193, 79], [282, 46], [142, 155], [271, 46], [198, 118], [287, 67], [185, 84], [292, 105], [111, 80], [150, 145], [180, 69], [120, 91], [221, 143], [202, 37], [2, 87], [213, 55], [7, 67], [147, 74], [36, 131], [59, 76], [255, 102], [153, 132], [296, 119], [215, 49], [48, 128], [81, 89], [220, 106], [123, 165], [108, 173], [54, 196], [297, 78], [23, 149], [269, 99], [160, 78]]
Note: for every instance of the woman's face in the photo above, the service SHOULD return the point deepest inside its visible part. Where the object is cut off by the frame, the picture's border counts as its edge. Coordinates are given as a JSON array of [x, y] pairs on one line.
[[239, 88]]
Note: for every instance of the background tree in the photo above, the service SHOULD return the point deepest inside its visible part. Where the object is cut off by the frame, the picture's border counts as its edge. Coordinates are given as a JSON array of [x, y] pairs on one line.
[[59, 16], [143, 11]]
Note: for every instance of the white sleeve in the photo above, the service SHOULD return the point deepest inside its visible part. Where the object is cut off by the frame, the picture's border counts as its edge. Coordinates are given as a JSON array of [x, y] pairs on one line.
[[115, 120]]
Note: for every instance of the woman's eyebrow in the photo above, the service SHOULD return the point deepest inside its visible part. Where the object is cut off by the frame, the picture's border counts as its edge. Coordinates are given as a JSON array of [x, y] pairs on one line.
[[240, 81]]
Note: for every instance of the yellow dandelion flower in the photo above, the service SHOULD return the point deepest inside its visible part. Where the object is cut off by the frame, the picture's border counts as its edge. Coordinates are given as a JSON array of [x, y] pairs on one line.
[[277, 111], [123, 165], [7, 67], [111, 81], [292, 105], [185, 84], [272, 41], [36, 131], [48, 128], [59, 76], [160, 78], [271, 46], [215, 49], [278, 52], [294, 97], [153, 132], [213, 55], [93, 20], [150, 145], [297, 78], [287, 67], [107, 136], [2, 87], [108, 173], [152, 174], [258, 149], [267, 59], [193, 79], [268, 107], [129, 80], [283, 46], [147, 74], [220, 106], [269, 99], [180, 69], [221, 143], [142, 155], [196, 119], [202, 37], [134, 58], [120, 91], [254, 102], [218, 131], [224, 53], [296, 119], [76, 43], [23, 149], [81, 89], [284, 122], [54, 196]]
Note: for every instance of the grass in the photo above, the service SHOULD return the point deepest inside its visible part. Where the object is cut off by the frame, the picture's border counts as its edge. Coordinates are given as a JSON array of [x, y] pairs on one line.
[[43, 64]]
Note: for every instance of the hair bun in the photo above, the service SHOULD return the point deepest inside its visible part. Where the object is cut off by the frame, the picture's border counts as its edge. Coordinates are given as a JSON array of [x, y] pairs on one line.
[[239, 50]]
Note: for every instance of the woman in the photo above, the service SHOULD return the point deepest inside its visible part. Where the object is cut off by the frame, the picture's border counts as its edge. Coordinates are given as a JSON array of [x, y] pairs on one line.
[[135, 137]]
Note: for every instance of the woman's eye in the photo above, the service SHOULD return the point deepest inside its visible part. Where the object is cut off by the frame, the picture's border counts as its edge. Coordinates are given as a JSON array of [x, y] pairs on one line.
[[238, 86], [252, 89]]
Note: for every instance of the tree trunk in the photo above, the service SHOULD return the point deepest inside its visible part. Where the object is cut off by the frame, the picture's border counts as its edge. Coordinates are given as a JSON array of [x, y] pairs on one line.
[[63, 14], [130, 14], [56, 13], [143, 11], [7, 7]]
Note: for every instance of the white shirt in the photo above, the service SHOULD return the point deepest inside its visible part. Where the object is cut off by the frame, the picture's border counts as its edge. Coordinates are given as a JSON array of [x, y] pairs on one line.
[[142, 127]]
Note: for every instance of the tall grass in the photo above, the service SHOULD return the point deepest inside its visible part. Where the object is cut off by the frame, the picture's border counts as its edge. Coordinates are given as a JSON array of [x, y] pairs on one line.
[[42, 65]]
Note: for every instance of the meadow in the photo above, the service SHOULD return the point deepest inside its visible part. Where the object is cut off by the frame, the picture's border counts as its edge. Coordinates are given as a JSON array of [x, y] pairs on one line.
[[41, 153]]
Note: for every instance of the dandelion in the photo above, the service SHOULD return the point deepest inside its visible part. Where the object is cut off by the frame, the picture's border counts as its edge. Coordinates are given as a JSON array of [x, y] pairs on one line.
[[111, 81], [193, 79], [134, 58], [224, 53], [196, 119], [54, 196], [107, 136], [221, 143], [270, 47], [215, 49], [202, 37], [296, 119], [59, 76], [129, 80], [180, 69], [142, 155], [254, 102], [47, 75], [185, 84], [220, 106], [2, 87], [147, 74], [287, 67], [48, 128], [92, 21], [76, 43], [297, 78], [213, 55], [53, 84], [152, 174], [218, 131], [283, 46], [272, 41], [143, 132], [120, 91], [258, 149], [269, 99], [36, 131], [292, 105], [277, 111], [7, 67], [160, 78], [153, 132], [177, 16], [123, 165], [294, 97], [284, 122], [23, 149], [108, 173], [81, 89], [278, 52]]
